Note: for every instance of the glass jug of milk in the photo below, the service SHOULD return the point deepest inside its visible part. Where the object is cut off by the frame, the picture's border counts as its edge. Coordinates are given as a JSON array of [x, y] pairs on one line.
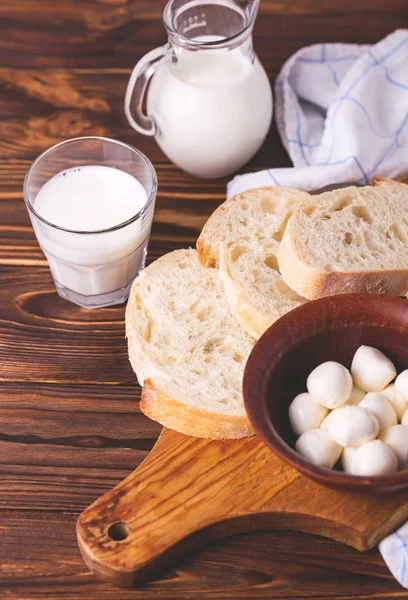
[[209, 102]]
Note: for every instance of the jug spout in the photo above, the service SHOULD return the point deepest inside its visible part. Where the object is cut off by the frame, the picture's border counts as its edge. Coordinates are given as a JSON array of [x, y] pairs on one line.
[[204, 24], [251, 9]]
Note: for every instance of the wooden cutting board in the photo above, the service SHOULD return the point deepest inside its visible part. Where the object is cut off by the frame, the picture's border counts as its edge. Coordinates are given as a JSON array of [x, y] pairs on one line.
[[189, 491]]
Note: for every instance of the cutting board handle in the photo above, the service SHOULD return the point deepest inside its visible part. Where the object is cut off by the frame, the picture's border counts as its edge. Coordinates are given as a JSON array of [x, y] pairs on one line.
[[189, 491], [171, 502]]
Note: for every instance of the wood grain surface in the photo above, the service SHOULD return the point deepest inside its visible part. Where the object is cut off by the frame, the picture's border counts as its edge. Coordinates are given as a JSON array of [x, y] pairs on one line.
[[70, 427], [191, 491]]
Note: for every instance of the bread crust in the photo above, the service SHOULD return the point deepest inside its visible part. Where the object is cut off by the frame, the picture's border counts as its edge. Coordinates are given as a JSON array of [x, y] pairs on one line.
[[251, 320], [207, 258], [189, 420], [313, 283], [295, 272], [160, 400], [380, 180], [207, 255], [319, 285], [254, 313]]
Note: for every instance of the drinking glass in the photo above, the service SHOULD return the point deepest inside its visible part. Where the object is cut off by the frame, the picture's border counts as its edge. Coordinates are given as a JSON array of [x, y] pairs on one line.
[[93, 268]]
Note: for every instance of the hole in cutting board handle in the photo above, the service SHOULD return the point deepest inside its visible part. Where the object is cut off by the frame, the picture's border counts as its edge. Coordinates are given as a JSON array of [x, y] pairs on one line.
[[118, 531]]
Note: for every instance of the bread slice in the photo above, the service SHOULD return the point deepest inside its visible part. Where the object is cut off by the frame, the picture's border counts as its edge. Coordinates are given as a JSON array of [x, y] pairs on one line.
[[186, 348], [355, 241], [257, 216], [256, 291], [242, 237]]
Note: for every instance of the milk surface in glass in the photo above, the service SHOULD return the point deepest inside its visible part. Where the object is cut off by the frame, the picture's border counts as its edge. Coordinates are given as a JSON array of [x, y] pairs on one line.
[[88, 199]]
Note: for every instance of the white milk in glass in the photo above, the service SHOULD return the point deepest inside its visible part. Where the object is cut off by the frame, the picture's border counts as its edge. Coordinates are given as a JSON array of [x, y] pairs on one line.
[[212, 109], [88, 199]]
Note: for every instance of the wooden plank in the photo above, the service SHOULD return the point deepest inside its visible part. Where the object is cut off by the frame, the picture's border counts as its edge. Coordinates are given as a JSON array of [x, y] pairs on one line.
[[65, 67], [77, 416], [117, 33], [61, 447], [190, 491], [56, 488], [47, 339], [262, 565]]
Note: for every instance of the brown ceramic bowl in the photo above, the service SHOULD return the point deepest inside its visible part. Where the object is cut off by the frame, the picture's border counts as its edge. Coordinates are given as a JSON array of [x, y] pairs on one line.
[[328, 329]]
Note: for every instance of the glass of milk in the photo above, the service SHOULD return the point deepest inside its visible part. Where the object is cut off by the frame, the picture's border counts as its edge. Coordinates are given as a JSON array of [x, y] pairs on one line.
[[209, 102], [91, 203]]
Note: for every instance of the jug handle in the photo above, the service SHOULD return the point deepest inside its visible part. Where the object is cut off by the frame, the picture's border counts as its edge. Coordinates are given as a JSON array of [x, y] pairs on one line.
[[137, 86]]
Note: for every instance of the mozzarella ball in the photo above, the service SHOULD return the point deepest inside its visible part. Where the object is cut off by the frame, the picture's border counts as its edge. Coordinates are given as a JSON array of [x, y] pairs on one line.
[[330, 384], [374, 458], [351, 425], [398, 403], [319, 448], [371, 369], [357, 394], [346, 458], [305, 413], [404, 420], [401, 384], [379, 406], [396, 437]]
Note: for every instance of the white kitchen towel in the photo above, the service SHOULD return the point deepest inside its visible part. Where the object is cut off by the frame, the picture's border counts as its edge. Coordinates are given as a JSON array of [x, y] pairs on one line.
[[394, 550], [342, 114]]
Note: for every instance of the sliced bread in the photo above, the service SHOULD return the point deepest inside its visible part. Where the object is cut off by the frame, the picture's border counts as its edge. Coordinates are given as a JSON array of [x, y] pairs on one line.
[[356, 240], [186, 348], [256, 291], [242, 237]]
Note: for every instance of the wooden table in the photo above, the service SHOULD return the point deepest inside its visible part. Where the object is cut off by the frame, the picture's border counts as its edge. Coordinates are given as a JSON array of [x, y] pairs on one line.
[[70, 426]]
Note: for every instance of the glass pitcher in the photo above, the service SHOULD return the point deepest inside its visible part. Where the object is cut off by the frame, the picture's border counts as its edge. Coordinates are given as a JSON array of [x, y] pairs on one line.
[[209, 102]]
